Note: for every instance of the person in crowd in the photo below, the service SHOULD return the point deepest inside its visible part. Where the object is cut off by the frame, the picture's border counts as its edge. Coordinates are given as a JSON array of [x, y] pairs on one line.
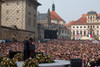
[[61, 50], [26, 48], [31, 48]]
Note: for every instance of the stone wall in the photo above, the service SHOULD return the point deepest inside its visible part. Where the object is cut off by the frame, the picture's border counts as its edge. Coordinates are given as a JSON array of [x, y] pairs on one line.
[[13, 13], [18, 34]]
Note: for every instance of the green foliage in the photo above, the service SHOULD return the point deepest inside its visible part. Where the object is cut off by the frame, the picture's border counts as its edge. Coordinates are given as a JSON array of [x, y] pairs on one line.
[[1, 58], [6, 62], [44, 59], [30, 63], [18, 57]]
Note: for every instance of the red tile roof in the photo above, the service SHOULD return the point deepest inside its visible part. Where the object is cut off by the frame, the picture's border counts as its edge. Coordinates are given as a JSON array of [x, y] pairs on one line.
[[79, 21], [69, 24], [84, 15], [82, 20], [99, 15], [54, 15]]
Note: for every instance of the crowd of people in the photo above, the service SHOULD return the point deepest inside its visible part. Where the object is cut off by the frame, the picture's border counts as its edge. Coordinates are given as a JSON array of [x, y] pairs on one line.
[[5, 48], [88, 51]]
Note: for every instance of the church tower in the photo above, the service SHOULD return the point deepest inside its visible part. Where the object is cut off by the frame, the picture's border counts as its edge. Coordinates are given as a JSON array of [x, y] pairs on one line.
[[53, 7]]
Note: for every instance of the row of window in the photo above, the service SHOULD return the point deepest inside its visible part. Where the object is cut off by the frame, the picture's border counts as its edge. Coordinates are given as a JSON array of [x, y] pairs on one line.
[[78, 32], [88, 26], [18, 3], [91, 17], [7, 11], [7, 3], [80, 27], [7, 19], [92, 26], [30, 22], [84, 32]]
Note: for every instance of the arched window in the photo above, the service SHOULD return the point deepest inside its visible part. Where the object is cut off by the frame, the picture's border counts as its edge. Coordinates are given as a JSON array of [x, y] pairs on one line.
[[77, 32], [84, 32], [81, 32], [73, 32]]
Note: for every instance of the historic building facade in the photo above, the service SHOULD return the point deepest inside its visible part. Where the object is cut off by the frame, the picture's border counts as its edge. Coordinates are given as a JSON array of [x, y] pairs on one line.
[[88, 23], [55, 18], [52, 21], [44, 23], [59, 24], [19, 16]]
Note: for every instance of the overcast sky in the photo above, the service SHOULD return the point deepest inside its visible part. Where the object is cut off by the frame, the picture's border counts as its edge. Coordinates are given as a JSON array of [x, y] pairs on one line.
[[70, 9]]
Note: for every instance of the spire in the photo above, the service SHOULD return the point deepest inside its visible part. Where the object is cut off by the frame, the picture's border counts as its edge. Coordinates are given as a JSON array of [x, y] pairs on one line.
[[53, 6]]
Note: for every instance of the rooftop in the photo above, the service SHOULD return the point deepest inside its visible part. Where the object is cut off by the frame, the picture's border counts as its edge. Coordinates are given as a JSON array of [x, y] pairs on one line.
[[82, 20], [42, 16], [54, 15]]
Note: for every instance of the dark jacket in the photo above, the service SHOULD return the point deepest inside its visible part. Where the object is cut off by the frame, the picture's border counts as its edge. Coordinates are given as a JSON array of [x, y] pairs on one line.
[[26, 45]]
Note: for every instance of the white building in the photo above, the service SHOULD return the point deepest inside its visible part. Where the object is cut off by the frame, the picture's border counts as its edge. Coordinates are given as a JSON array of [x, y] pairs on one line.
[[88, 23]]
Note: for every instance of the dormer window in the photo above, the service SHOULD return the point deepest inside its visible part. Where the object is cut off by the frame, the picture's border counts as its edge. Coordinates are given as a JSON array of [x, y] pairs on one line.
[[97, 26]]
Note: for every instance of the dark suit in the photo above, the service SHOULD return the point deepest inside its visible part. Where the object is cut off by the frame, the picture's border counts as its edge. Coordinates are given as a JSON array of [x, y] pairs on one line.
[[92, 63], [26, 49], [31, 50]]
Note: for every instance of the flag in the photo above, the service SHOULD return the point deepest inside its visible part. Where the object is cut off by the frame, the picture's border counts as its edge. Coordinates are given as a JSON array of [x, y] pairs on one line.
[[90, 35], [78, 35], [96, 66]]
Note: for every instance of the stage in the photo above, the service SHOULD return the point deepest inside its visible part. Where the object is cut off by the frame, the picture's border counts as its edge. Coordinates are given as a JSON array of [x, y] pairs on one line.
[[58, 63]]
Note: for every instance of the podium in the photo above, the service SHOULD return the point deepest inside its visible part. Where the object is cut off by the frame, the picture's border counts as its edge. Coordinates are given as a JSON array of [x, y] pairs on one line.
[[32, 50]]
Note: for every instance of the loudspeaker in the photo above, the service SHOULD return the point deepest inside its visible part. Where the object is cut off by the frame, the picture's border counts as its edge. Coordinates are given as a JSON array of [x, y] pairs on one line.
[[76, 62], [12, 53]]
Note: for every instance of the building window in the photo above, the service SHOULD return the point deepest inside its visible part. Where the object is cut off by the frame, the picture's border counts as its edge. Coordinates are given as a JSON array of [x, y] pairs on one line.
[[91, 17], [97, 26], [17, 3], [7, 11], [35, 15], [88, 17], [17, 11], [29, 21], [7, 4], [62, 31], [29, 13], [17, 19], [73, 27], [93, 33], [77, 26], [29, 4], [34, 22], [84, 32], [35, 8], [73, 32], [93, 26], [77, 32], [81, 32], [84, 26], [97, 32], [7, 19], [88, 26], [80, 26]]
